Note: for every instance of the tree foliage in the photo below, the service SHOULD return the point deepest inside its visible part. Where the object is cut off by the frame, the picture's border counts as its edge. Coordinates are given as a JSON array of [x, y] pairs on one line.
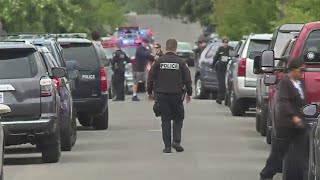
[[59, 15]]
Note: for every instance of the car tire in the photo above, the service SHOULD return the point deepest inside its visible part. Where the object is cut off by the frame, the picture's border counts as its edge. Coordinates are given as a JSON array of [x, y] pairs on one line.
[[74, 128], [51, 148], [101, 122], [264, 120], [269, 136], [200, 91], [85, 120], [237, 107], [258, 121], [66, 139]]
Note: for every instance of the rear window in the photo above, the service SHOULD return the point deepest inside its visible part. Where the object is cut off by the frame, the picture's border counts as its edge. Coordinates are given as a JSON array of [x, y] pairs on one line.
[[16, 64], [311, 50], [130, 51], [83, 53], [258, 45], [184, 46]]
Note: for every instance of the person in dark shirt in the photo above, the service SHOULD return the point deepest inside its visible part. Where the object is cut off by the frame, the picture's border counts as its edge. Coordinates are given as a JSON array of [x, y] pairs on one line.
[[119, 58], [289, 131], [220, 62], [143, 55], [159, 53], [168, 77]]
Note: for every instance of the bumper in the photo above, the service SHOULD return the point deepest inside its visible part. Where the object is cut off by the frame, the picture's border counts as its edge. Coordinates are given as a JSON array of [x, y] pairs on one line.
[[243, 91], [42, 126], [92, 105]]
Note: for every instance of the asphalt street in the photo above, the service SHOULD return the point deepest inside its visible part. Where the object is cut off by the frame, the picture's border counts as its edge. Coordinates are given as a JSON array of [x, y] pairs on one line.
[[217, 145]]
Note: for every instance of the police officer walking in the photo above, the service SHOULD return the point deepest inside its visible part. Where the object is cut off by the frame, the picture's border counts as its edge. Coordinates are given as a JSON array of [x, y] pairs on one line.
[[168, 77], [220, 64], [119, 58]]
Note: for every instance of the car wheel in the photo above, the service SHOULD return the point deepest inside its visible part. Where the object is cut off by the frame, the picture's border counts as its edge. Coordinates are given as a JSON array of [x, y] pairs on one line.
[[85, 120], [200, 92], [66, 138], [74, 128], [51, 148], [269, 135], [264, 120], [237, 107], [102, 121]]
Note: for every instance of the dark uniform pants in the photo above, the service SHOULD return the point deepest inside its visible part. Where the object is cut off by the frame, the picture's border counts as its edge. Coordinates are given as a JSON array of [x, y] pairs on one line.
[[221, 76], [118, 78], [171, 109], [289, 152]]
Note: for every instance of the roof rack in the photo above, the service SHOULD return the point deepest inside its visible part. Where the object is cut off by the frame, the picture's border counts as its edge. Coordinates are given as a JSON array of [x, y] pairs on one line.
[[69, 35]]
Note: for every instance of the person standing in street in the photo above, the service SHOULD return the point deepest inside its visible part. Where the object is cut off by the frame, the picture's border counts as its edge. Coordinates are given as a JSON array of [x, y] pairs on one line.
[[119, 58], [168, 79], [220, 64], [143, 55], [290, 136]]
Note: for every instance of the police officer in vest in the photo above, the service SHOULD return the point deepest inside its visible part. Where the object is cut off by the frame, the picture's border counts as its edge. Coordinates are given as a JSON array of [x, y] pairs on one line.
[[119, 58], [220, 64], [167, 79]]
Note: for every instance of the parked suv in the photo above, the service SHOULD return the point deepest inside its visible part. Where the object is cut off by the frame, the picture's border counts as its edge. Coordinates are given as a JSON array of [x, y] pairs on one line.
[[281, 47], [30, 91], [206, 82], [306, 47], [90, 96], [243, 90], [67, 114]]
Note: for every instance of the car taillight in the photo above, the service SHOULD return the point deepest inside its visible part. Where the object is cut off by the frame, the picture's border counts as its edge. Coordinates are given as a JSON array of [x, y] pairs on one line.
[[242, 67], [57, 83], [103, 81], [46, 87]]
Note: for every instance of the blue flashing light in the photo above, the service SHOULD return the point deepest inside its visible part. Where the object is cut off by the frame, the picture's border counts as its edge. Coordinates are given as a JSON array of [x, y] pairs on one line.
[[125, 41], [131, 41]]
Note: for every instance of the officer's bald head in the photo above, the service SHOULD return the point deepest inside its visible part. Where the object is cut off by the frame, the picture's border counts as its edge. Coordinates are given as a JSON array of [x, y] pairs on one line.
[[171, 45]]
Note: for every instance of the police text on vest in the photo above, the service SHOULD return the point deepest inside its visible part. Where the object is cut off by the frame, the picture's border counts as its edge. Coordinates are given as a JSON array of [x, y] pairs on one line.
[[174, 66]]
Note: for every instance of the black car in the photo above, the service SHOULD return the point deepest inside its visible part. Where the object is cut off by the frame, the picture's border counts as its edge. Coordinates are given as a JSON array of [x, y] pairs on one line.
[[90, 96], [184, 51], [28, 88], [206, 82]]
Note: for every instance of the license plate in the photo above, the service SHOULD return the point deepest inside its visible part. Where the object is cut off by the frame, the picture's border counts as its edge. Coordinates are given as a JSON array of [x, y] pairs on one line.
[[1, 98]]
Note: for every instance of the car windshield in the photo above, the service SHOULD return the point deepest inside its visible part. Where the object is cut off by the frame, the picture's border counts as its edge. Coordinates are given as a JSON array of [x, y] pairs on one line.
[[108, 52], [184, 46], [17, 64], [130, 51], [258, 45], [281, 42], [83, 53]]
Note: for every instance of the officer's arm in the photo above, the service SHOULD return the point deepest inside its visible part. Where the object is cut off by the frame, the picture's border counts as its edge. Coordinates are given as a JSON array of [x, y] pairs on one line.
[[152, 76], [186, 77], [216, 57]]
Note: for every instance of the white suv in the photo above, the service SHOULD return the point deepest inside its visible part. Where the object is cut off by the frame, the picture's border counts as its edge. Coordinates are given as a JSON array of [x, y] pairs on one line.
[[243, 90]]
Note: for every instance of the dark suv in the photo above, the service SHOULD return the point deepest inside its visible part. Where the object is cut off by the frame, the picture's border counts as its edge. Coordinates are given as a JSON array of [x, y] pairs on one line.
[[67, 114], [90, 96], [30, 91]]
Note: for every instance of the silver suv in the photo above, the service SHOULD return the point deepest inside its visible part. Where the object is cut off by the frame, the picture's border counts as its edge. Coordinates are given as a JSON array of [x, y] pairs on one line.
[[243, 88]]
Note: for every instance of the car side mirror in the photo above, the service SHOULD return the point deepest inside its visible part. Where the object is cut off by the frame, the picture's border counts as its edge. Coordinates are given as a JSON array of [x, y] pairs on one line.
[[4, 109], [310, 110], [256, 65], [270, 79], [58, 72], [267, 61]]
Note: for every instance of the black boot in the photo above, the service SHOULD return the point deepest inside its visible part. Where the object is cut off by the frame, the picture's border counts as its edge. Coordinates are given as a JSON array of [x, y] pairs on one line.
[[177, 147], [167, 150]]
